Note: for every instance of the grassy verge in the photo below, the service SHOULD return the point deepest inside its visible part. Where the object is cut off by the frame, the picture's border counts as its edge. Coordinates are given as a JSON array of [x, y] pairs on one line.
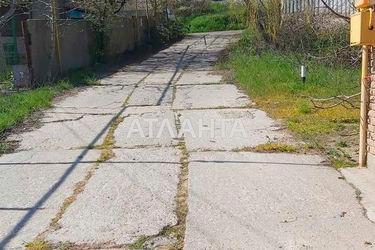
[[15, 107], [6, 80], [272, 80], [219, 17]]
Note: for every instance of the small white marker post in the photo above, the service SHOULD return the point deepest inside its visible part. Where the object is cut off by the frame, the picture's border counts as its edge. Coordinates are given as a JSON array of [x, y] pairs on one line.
[[303, 73]]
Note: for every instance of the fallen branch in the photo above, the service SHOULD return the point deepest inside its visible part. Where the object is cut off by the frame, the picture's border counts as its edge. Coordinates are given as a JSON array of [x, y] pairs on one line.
[[341, 100]]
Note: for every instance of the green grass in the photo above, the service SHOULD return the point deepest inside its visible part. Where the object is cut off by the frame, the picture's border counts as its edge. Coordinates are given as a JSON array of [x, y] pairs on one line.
[[6, 79], [214, 22], [272, 79], [15, 107], [272, 147], [219, 17], [38, 245]]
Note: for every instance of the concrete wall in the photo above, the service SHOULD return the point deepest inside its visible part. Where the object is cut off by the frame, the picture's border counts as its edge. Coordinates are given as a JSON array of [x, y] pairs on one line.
[[127, 34], [77, 43], [20, 47], [40, 48]]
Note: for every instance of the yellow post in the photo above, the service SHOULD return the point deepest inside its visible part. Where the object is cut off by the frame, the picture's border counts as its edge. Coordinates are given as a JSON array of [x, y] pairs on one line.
[[364, 108]]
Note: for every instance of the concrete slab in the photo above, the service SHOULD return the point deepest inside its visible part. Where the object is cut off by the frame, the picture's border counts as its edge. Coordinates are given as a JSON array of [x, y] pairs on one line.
[[271, 201], [36, 178], [209, 96], [364, 180], [228, 129], [124, 78], [130, 197], [200, 77], [65, 134], [83, 111], [198, 65], [159, 78], [147, 126], [152, 94], [54, 117], [98, 97]]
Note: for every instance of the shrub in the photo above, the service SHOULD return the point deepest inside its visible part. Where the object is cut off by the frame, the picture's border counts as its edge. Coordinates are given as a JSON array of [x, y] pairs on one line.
[[214, 22], [187, 8], [323, 37], [166, 32], [221, 16], [6, 79]]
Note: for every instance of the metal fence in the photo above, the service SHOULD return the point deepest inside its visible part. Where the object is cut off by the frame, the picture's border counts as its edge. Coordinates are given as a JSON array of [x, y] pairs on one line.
[[344, 7]]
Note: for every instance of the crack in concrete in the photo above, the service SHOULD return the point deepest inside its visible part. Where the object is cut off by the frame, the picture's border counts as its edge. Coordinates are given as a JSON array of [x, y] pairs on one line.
[[202, 84], [78, 113], [250, 106], [105, 106], [66, 120], [106, 154], [182, 188], [358, 196], [178, 230], [181, 210]]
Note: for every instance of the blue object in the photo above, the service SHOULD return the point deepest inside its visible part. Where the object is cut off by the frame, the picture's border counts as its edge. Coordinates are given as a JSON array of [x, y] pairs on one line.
[[76, 14]]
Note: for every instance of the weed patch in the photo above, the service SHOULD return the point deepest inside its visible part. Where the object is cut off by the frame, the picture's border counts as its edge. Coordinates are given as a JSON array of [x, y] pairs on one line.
[[39, 245], [15, 107], [272, 79], [271, 147]]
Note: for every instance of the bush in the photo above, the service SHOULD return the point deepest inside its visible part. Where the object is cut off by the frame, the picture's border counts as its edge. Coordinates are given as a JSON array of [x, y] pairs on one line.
[[167, 32], [214, 22], [323, 37], [6, 79], [188, 8], [220, 16]]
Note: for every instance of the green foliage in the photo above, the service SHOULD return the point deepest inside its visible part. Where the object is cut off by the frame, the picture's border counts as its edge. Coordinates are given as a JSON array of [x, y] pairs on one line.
[[214, 22], [15, 107], [271, 77], [6, 79], [166, 32], [218, 17], [218, 8]]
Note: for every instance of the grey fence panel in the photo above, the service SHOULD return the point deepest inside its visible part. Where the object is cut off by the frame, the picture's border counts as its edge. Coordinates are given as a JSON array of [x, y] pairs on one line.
[[344, 7]]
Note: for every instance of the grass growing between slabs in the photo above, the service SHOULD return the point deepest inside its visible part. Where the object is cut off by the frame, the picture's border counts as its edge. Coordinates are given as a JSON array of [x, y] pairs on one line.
[[17, 106], [272, 80]]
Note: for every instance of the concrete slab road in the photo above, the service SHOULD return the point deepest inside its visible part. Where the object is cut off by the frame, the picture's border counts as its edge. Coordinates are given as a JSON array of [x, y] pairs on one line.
[[159, 157]]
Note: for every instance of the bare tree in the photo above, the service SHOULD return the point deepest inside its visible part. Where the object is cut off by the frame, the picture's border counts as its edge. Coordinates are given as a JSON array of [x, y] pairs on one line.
[[3, 20], [9, 14]]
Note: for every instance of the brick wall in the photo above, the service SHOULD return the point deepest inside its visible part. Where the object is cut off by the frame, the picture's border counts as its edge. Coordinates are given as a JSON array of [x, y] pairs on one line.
[[371, 115]]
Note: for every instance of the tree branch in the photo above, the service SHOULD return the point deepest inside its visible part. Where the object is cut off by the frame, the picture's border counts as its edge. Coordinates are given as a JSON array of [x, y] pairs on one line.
[[346, 18], [341, 100], [121, 6], [12, 9]]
